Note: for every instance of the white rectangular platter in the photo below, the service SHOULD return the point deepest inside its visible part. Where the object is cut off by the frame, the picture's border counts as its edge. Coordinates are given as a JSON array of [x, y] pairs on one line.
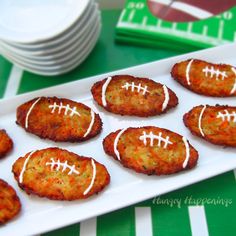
[[127, 187]]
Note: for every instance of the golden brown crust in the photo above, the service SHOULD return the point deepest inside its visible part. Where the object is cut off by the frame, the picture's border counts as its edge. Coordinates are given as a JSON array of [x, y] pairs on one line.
[[6, 143], [133, 103], [217, 127], [62, 124], [10, 204], [147, 159], [206, 78], [60, 181]]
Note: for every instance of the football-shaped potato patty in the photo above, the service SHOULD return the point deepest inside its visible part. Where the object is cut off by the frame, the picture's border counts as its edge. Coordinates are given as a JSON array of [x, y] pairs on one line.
[[216, 124], [133, 96], [10, 204], [6, 143], [151, 150], [58, 119], [60, 175], [216, 80]]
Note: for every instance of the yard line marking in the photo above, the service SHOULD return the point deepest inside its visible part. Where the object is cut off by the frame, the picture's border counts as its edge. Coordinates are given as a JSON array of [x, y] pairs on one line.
[[159, 23], [221, 30], [174, 26], [143, 221], [131, 15], [144, 22], [190, 26], [198, 221], [205, 30], [13, 82], [122, 15], [88, 227], [178, 33]]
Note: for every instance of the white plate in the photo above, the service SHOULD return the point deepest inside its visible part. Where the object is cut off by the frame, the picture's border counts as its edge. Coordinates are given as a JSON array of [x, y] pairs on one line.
[[63, 52], [29, 21], [35, 50], [127, 187], [77, 58]]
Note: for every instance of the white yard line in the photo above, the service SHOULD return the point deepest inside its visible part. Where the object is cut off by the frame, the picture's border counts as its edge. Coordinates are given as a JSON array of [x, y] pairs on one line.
[[144, 21], [131, 15], [198, 221], [122, 15], [143, 221], [13, 82], [221, 30], [205, 30], [159, 23], [174, 26], [88, 227], [190, 26], [178, 33]]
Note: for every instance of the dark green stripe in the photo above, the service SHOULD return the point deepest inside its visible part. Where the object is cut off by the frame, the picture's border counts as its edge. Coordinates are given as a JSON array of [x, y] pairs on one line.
[[118, 223], [72, 230], [5, 69], [170, 221]]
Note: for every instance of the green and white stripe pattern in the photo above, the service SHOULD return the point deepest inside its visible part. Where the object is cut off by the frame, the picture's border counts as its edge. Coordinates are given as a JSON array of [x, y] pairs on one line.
[[137, 24], [196, 210]]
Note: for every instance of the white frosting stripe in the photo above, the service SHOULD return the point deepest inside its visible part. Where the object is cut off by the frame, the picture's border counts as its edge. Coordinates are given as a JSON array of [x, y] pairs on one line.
[[24, 166], [73, 111], [116, 143], [188, 71], [58, 164], [133, 87], [227, 116], [93, 178], [91, 123], [165, 140], [200, 121], [104, 89], [167, 97], [29, 111], [187, 152], [234, 87]]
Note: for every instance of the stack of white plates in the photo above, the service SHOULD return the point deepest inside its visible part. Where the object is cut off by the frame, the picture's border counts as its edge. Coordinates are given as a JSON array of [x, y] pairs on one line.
[[48, 37]]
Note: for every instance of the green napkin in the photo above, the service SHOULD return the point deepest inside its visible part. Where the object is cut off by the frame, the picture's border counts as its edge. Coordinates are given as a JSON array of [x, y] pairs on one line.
[[138, 26]]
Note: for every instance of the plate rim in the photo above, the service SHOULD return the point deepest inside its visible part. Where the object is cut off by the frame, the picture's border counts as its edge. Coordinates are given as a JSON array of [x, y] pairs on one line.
[[80, 6]]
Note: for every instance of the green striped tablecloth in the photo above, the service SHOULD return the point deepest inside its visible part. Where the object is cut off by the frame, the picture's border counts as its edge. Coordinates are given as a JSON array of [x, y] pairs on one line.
[[205, 208]]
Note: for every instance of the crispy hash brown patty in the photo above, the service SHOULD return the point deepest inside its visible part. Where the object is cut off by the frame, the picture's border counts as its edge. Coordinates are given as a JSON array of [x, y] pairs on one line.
[[6, 144], [60, 175], [151, 150], [58, 119], [216, 124], [133, 96], [10, 204], [216, 80]]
